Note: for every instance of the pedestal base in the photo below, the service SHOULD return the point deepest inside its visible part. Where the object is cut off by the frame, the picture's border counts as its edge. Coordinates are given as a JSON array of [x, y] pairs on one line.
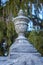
[[23, 53]]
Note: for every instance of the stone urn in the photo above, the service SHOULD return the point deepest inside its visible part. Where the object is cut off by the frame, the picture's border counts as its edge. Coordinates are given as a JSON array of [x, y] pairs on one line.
[[21, 23], [22, 51]]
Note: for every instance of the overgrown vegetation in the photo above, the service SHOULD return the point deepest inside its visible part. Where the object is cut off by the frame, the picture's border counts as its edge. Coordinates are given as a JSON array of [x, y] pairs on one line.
[[7, 33], [36, 38]]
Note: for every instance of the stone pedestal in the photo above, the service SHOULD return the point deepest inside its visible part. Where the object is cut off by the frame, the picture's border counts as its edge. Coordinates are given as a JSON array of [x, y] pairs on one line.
[[21, 51]]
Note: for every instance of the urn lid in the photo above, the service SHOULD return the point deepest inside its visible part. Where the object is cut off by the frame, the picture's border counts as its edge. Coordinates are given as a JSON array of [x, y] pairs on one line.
[[21, 15]]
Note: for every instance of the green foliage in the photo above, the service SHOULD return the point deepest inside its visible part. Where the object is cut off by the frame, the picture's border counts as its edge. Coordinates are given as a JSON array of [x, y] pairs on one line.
[[2, 30], [37, 40], [11, 34], [1, 35], [7, 32]]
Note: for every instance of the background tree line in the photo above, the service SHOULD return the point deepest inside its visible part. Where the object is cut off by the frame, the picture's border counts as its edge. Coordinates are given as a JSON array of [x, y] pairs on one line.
[[7, 31]]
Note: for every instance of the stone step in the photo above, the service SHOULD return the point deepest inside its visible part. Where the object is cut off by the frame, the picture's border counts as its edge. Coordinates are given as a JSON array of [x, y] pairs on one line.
[[17, 55], [24, 48]]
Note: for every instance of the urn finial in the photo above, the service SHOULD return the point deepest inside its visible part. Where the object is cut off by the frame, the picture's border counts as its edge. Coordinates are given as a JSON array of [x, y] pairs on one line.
[[21, 13]]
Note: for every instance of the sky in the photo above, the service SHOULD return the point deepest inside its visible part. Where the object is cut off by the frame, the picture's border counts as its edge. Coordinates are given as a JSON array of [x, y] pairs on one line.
[[3, 1]]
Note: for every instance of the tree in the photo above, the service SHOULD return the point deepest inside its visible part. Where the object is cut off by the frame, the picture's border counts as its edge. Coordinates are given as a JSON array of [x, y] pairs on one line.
[[15, 5], [37, 40], [10, 33], [7, 32]]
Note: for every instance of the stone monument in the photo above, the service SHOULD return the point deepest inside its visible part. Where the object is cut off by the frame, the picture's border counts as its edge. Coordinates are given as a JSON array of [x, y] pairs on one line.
[[22, 52]]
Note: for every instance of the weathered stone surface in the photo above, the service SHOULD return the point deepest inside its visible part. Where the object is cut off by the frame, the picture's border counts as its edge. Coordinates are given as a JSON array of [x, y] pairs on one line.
[[23, 47], [3, 60], [28, 60]]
